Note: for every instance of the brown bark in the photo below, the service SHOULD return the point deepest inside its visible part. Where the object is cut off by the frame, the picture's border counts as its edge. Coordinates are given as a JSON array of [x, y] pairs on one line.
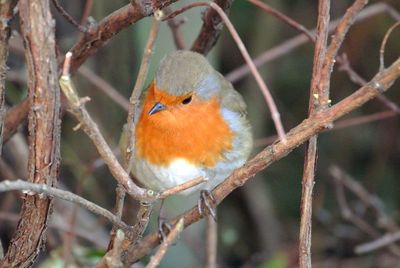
[[6, 13], [211, 29], [37, 27]]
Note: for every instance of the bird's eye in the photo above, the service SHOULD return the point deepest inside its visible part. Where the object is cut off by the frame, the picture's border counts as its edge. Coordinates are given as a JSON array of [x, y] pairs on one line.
[[187, 100]]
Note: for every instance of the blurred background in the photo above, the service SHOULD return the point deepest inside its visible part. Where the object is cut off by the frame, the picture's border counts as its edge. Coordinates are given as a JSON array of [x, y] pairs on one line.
[[258, 224]]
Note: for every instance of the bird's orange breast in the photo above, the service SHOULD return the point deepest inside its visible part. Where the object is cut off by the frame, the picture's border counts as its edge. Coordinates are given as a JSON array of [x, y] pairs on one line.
[[195, 132]]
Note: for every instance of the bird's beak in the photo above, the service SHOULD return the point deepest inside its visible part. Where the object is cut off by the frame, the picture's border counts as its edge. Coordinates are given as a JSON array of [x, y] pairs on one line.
[[157, 108]]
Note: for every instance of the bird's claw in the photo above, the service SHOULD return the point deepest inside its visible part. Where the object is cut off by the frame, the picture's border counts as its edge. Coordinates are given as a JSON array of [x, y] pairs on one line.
[[206, 204], [163, 229]]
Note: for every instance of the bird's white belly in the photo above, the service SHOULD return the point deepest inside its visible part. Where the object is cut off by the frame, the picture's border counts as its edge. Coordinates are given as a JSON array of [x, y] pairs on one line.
[[160, 178]]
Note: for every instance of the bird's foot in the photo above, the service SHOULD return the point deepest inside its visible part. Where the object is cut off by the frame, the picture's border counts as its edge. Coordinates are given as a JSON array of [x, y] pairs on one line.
[[163, 229], [206, 204]]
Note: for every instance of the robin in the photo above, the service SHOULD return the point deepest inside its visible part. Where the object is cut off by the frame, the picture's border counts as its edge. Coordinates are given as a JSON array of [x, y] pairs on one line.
[[191, 123]]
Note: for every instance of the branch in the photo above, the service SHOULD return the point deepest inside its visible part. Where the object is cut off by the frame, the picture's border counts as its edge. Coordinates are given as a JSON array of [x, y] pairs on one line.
[[155, 260], [289, 21], [89, 126], [14, 117], [308, 179], [298, 135], [37, 27], [212, 27], [45, 190], [384, 241]]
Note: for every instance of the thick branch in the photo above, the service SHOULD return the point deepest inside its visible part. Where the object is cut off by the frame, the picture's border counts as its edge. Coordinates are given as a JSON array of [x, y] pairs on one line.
[[37, 27], [297, 136]]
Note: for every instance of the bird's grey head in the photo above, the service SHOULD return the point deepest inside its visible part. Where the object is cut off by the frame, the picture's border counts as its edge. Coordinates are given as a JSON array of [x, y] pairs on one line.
[[181, 72]]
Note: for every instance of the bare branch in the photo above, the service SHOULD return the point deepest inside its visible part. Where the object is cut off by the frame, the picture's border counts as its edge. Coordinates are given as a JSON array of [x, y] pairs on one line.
[[104, 87], [46, 190], [383, 241], [114, 260], [155, 260], [211, 242], [383, 45], [292, 23], [182, 187], [91, 129], [311, 148], [37, 27]]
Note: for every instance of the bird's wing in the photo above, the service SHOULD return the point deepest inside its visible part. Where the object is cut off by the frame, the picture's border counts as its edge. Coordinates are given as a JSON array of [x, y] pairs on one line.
[[231, 99]]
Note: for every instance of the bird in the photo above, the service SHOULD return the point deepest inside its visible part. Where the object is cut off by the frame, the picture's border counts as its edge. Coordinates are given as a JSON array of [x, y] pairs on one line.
[[191, 122]]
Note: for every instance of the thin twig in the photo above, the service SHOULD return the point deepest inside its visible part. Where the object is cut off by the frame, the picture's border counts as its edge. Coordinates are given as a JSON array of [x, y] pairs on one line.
[[384, 241], [104, 87], [137, 89], [211, 242], [296, 136], [145, 208], [292, 23], [357, 79], [182, 187], [336, 42], [308, 179], [68, 17], [156, 259], [342, 179], [264, 89], [175, 26], [368, 199], [44, 189], [86, 12], [91, 129], [383, 45]]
